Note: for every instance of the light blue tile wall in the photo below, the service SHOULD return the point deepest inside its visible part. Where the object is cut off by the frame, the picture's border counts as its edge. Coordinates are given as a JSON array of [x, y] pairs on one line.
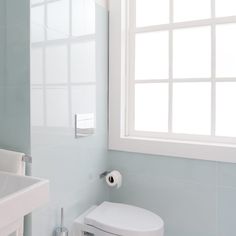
[[2, 46], [72, 165], [2, 62], [14, 75], [193, 197]]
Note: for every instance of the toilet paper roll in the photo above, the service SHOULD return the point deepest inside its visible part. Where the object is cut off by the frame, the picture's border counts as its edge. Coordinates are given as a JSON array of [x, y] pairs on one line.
[[114, 179]]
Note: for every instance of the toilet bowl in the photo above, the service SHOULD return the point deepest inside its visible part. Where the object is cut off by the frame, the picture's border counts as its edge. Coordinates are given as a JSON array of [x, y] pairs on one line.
[[114, 219]]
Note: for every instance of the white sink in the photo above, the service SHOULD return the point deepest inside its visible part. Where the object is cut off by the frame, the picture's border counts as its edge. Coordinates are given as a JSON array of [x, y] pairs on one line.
[[19, 196]]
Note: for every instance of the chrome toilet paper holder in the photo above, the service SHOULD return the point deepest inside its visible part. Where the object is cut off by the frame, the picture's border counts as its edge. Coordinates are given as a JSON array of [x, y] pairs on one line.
[[104, 174]]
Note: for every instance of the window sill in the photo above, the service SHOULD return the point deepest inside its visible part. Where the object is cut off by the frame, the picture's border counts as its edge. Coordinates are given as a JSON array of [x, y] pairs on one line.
[[186, 149]]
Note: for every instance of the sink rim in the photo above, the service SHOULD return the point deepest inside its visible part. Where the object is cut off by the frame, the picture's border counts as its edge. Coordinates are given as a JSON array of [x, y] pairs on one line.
[[21, 200], [14, 194]]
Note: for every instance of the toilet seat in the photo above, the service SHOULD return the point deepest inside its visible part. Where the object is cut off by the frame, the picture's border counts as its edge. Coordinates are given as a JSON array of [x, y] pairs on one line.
[[125, 220]]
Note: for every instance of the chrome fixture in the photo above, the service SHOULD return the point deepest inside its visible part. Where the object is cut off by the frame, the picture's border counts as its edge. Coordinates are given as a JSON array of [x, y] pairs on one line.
[[27, 159], [84, 125], [62, 230], [104, 174]]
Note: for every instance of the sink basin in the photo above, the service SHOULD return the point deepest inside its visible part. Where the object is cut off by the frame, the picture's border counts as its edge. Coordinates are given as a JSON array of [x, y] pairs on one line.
[[19, 196]]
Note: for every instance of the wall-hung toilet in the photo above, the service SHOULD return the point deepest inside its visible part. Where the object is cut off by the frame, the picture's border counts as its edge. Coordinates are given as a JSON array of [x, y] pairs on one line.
[[116, 219]]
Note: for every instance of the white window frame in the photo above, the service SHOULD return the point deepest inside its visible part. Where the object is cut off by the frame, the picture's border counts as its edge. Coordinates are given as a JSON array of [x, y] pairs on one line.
[[120, 136]]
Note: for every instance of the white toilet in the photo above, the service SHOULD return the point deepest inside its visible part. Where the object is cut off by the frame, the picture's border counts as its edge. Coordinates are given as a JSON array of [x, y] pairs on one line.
[[116, 219]]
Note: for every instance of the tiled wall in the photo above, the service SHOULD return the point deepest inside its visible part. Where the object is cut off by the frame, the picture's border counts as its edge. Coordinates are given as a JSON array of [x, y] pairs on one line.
[[14, 75], [193, 197], [72, 166]]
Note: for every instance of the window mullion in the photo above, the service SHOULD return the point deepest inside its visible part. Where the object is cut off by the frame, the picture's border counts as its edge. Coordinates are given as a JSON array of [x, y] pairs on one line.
[[130, 70]]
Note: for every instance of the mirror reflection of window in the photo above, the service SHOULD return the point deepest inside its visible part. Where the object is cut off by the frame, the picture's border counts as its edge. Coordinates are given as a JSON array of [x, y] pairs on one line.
[[63, 53]]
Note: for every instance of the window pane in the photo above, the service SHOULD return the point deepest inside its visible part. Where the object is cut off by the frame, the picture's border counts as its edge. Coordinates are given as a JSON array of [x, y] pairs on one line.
[[58, 20], [192, 108], [152, 12], [152, 56], [151, 107], [36, 66], [187, 10], [83, 11], [83, 99], [225, 8], [225, 109], [37, 107], [37, 24], [192, 53], [226, 50], [36, 1], [83, 62], [56, 62], [57, 109]]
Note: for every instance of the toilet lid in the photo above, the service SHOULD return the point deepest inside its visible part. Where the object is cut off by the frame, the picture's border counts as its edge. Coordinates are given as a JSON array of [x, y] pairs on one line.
[[125, 220]]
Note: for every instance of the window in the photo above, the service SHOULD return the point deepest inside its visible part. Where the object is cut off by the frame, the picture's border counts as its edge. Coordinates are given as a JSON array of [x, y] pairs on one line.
[[173, 77]]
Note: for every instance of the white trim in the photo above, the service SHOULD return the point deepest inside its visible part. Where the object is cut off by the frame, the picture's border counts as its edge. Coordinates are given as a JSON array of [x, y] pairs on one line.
[[118, 139], [190, 150], [187, 24], [130, 63], [185, 80]]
